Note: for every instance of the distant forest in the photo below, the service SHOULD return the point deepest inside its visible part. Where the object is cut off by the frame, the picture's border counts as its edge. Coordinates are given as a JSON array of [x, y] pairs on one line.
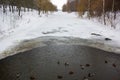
[[94, 8], [94, 5], [16, 5]]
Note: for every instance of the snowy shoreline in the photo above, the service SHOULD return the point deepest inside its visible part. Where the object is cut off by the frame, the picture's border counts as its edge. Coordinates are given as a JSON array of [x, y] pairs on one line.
[[58, 28], [50, 40]]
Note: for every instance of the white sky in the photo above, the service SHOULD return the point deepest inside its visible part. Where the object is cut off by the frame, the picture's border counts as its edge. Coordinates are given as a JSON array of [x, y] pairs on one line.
[[59, 3]]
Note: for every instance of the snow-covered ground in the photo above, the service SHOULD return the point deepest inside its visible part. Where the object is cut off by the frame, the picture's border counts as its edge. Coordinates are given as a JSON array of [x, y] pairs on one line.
[[30, 25]]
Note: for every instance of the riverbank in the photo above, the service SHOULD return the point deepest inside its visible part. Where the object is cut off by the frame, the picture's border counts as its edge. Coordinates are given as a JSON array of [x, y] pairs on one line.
[[47, 40]]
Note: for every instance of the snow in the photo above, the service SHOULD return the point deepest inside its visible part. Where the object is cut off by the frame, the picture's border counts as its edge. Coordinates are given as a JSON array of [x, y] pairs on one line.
[[59, 24]]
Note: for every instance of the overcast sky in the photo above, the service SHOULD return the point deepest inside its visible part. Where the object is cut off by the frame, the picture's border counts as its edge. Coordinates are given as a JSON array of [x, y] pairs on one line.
[[59, 3]]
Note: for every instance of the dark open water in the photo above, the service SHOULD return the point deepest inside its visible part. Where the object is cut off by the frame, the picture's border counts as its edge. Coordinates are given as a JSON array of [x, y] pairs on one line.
[[61, 63]]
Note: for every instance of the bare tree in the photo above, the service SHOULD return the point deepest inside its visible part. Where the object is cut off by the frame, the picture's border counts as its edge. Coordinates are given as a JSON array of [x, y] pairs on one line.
[[113, 16], [113, 9], [104, 12], [89, 3]]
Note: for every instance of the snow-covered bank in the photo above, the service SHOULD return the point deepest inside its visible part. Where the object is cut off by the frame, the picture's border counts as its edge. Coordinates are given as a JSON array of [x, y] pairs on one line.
[[60, 24], [48, 40]]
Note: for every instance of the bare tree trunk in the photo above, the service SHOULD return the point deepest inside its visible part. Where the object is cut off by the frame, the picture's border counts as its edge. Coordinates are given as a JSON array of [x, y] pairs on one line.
[[113, 11], [113, 8], [10, 8], [19, 10], [114, 15], [4, 10], [89, 2], [113, 5], [104, 12], [39, 11]]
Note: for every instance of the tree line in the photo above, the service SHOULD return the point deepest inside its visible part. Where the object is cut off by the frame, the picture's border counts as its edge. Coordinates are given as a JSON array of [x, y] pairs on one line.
[[17, 5], [94, 8], [45, 6]]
